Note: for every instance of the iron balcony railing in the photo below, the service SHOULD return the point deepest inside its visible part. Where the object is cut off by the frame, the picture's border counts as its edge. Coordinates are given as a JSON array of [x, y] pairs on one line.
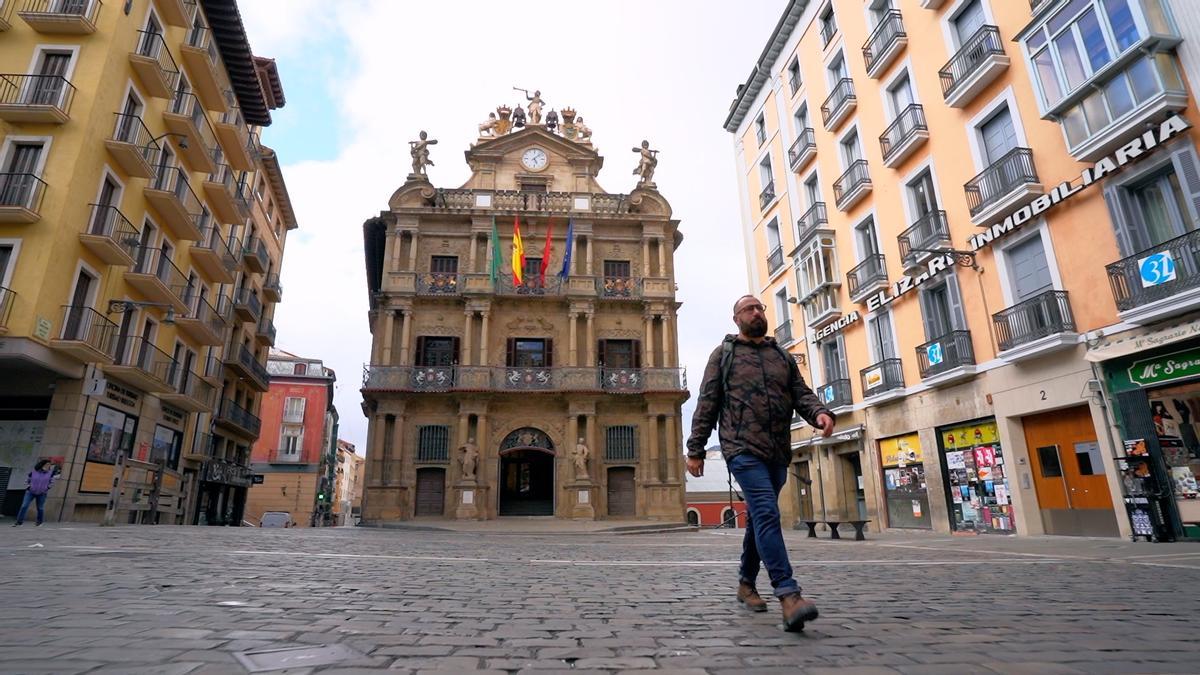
[[22, 190], [930, 232], [266, 328], [767, 195], [520, 200], [999, 180], [285, 456], [233, 112], [154, 262], [945, 353], [906, 125], [108, 221], [239, 416], [967, 61], [188, 105], [86, 325], [246, 357], [214, 367], [439, 283], [841, 94], [1041, 316], [1156, 273], [137, 352], [783, 332], [272, 284], [255, 247], [532, 286], [804, 142], [86, 9], [174, 179], [815, 218], [794, 82], [889, 30], [188, 383], [886, 375], [132, 130], [247, 298], [774, 259], [835, 394], [871, 270], [760, 134], [152, 45], [828, 30], [201, 38], [211, 240], [855, 177], [203, 311], [7, 297], [52, 91], [619, 288], [502, 378]]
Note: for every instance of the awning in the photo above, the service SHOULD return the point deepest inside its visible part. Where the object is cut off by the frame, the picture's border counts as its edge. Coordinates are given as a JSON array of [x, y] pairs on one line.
[[843, 436], [1142, 339]]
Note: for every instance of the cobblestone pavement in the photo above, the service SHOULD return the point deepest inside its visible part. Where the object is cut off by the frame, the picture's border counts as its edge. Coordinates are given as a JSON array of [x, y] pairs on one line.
[[177, 600]]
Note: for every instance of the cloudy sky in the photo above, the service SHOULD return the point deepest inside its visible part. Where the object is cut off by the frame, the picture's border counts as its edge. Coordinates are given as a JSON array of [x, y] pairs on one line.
[[363, 77]]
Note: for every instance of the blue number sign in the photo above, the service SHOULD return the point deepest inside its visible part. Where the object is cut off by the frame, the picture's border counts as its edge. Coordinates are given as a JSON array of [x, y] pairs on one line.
[[934, 353], [1157, 269]]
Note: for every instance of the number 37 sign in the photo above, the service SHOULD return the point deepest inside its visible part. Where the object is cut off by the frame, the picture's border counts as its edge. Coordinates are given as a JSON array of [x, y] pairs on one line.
[[1157, 269]]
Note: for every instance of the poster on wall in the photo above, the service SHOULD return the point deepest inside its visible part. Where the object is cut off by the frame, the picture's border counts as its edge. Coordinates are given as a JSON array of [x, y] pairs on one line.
[[904, 490], [112, 434], [976, 478], [20, 444], [166, 446]]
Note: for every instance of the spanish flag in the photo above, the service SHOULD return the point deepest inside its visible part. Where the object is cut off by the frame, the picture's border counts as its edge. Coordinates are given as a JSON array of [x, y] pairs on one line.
[[518, 254]]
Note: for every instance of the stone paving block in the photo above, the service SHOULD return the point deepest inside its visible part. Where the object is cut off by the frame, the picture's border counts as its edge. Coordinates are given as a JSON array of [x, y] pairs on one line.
[[946, 669], [1032, 668], [852, 670], [177, 668]]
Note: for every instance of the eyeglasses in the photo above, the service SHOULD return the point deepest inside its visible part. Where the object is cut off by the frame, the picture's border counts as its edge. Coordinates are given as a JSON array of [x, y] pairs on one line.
[[750, 308]]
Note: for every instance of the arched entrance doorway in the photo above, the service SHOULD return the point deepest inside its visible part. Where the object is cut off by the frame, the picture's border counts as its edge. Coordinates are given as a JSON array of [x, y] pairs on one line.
[[527, 474]]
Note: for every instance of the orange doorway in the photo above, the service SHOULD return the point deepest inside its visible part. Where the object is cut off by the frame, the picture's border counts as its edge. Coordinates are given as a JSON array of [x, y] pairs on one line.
[[1068, 474]]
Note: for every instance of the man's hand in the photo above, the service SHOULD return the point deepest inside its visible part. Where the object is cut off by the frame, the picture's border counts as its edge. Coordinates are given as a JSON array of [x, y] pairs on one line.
[[825, 422], [695, 466]]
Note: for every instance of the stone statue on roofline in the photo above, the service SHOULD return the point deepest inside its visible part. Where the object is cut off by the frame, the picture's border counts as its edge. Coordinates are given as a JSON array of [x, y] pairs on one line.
[[419, 150], [647, 162]]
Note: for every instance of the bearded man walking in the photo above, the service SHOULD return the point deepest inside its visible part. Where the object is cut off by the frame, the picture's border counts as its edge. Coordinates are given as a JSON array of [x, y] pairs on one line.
[[753, 386]]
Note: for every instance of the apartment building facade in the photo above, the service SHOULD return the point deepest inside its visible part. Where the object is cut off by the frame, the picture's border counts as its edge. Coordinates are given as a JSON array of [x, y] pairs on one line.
[[136, 245], [968, 245], [348, 484], [561, 383]]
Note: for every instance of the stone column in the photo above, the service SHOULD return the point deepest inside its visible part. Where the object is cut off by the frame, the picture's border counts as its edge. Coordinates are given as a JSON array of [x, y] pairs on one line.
[[474, 245], [666, 340], [377, 337], [650, 450], [572, 339], [465, 357], [590, 254], [645, 257], [573, 438], [648, 352], [591, 340], [483, 341], [412, 254], [397, 242], [672, 449], [389, 326], [662, 256], [406, 336], [593, 443], [378, 439]]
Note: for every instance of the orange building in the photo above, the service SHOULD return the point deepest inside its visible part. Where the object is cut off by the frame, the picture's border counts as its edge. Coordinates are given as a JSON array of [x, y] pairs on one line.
[[968, 244]]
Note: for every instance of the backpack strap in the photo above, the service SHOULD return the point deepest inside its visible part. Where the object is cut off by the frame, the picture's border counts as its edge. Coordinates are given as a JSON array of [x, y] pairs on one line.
[[726, 361], [793, 369]]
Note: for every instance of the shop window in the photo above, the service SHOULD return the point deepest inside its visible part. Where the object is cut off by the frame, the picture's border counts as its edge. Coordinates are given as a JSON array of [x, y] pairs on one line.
[[1048, 458], [112, 435]]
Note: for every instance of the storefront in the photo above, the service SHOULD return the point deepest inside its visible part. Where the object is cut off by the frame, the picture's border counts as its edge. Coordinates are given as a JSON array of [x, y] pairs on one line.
[[904, 490], [973, 462], [222, 493]]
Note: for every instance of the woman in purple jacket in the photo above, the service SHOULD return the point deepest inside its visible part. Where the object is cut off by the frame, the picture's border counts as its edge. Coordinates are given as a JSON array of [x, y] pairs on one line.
[[37, 486]]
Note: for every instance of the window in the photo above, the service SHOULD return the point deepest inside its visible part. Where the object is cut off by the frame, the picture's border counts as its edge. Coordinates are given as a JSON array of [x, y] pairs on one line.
[[1029, 272], [436, 351], [999, 136], [851, 152], [833, 358], [50, 87], [828, 24], [150, 44], [941, 309], [773, 242], [433, 443], [693, 517], [293, 408], [291, 440], [880, 9], [1048, 458], [818, 265], [801, 118], [879, 333], [837, 70], [529, 353], [766, 175], [760, 129], [1087, 456], [922, 195], [620, 354], [900, 95], [616, 269], [6, 262], [868, 239], [167, 443], [781, 306], [79, 321], [444, 264], [18, 184], [532, 272], [620, 443], [1158, 205], [793, 70], [300, 369], [968, 21], [728, 518], [812, 189]]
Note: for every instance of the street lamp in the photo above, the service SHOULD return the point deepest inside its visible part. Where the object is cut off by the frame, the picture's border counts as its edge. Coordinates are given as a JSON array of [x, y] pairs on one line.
[[122, 306]]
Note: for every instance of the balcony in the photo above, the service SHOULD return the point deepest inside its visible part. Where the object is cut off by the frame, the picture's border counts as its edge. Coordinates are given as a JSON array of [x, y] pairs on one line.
[[294, 416], [533, 287], [264, 334], [829, 29], [814, 221], [158, 279], [214, 369], [1159, 282], [766, 196], [1003, 187], [976, 65], [6, 7], [154, 66], [7, 298], [803, 149], [506, 378], [246, 305], [35, 99], [794, 83], [110, 236], [1038, 326], [902, 138], [948, 359], [203, 63], [839, 104], [439, 283], [211, 255], [177, 205], [821, 305], [254, 255], [186, 117], [285, 456], [882, 382], [597, 204], [774, 260], [783, 333], [619, 288], [234, 136], [272, 291], [177, 12], [836, 394], [885, 44], [931, 4], [930, 233], [21, 197], [233, 417], [190, 392], [142, 365], [87, 335], [133, 147], [242, 362], [851, 187], [867, 277], [203, 322], [221, 188], [61, 17]]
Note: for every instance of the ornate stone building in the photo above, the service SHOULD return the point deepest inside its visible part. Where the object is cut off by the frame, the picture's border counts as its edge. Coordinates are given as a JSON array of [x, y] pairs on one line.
[[557, 393]]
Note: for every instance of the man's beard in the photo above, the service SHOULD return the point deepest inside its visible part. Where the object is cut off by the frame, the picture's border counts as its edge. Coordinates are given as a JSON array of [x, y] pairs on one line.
[[754, 328]]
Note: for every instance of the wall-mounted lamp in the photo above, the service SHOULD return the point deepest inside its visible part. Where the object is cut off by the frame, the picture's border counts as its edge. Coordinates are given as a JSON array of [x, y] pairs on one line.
[[122, 306], [794, 301]]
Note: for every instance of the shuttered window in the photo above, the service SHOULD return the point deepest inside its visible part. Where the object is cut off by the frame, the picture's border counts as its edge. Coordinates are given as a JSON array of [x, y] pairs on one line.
[[530, 353], [433, 443], [620, 443]]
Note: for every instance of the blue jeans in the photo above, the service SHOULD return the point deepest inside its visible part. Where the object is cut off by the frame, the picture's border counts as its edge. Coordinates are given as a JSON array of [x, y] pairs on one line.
[[41, 507], [761, 483]]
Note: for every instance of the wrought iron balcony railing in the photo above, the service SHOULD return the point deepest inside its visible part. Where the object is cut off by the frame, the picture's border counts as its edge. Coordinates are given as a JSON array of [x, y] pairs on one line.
[[881, 377], [906, 126], [154, 262], [841, 95], [805, 142], [766, 196], [152, 46], [245, 297], [137, 352], [1041, 316], [828, 30], [856, 177], [86, 325], [930, 232], [22, 191], [815, 218], [1000, 179], [132, 130], [783, 332], [37, 91], [774, 259], [239, 416], [439, 283], [869, 272], [619, 288], [245, 357], [970, 58], [502, 378], [835, 394], [945, 353], [532, 286], [886, 34], [1156, 273]]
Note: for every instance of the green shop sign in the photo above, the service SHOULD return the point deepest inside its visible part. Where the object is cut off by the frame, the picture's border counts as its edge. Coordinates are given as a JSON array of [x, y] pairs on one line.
[[1165, 368]]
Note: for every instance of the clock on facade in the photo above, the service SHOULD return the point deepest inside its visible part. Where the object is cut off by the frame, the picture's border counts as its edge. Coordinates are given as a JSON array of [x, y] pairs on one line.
[[534, 159]]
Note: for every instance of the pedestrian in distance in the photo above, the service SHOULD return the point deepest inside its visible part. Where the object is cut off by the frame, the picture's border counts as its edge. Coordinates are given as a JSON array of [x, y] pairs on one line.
[[37, 486], [752, 386]]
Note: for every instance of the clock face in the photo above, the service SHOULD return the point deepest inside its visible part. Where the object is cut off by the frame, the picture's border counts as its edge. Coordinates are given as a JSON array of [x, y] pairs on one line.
[[534, 159]]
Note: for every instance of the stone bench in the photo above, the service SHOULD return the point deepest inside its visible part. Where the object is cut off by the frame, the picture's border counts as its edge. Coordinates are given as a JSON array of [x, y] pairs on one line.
[[833, 528]]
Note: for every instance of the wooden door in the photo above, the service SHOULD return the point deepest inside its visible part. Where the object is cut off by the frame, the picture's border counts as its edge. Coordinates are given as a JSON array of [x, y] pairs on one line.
[[1068, 472], [431, 492], [621, 496], [804, 490]]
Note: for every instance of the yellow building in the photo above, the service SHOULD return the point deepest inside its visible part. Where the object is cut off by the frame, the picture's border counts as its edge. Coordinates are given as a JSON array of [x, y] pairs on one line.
[[553, 393], [348, 484], [962, 215], [141, 232]]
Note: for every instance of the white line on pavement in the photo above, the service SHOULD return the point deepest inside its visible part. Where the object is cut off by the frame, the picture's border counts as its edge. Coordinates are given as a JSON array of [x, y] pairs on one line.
[[1163, 555], [986, 551], [804, 563], [1155, 564]]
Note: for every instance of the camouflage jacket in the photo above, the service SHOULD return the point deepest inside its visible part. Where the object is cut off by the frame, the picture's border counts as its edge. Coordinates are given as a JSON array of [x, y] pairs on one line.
[[755, 406]]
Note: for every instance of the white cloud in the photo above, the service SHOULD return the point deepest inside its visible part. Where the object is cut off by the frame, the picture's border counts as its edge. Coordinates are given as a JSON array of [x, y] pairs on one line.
[[665, 71]]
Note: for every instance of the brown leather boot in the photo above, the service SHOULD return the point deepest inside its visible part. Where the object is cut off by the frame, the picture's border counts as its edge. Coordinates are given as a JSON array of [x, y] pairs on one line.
[[797, 610], [749, 597]]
